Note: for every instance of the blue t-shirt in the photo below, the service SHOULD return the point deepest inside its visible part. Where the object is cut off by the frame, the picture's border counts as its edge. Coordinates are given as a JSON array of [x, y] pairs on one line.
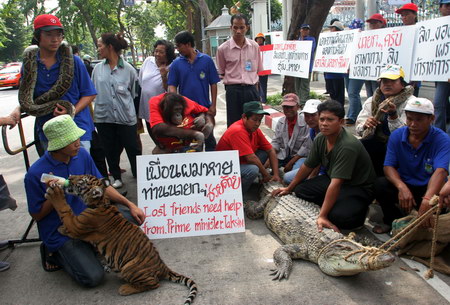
[[416, 166], [193, 80], [35, 190], [81, 86]]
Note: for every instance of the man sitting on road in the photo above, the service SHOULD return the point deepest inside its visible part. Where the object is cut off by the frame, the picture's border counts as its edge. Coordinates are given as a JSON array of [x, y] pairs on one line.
[[291, 141], [344, 192], [383, 113], [416, 165], [65, 157], [246, 137]]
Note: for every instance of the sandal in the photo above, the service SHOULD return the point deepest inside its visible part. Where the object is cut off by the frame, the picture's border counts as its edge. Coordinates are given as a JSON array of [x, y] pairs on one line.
[[381, 229], [47, 260]]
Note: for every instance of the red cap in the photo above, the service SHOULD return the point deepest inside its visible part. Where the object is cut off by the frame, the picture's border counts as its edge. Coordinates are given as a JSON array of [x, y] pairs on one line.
[[377, 17], [407, 6], [47, 22]]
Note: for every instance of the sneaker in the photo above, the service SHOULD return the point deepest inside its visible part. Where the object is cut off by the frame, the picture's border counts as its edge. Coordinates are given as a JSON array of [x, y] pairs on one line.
[[4, 244], [117, 184], [4, 266]]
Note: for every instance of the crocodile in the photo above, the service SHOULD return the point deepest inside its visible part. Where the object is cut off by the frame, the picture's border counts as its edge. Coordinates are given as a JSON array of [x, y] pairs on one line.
[[293, 220]]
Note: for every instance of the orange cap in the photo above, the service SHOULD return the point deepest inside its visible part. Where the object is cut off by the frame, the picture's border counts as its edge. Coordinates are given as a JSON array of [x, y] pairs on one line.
[[260, 35]]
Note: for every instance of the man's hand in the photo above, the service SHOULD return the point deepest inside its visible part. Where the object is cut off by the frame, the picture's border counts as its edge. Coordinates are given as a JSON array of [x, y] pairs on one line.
[[424, 207], [212, 111], [266, 177], [276, 178], [444, 195], [137, 214], [59, 110], [281, 192], [406, 199], [371, 123], [200, 139], [323, 222], [289, 165]]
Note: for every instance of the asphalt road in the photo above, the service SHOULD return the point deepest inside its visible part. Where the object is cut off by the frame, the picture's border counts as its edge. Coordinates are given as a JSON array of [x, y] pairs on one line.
[[228, 269]]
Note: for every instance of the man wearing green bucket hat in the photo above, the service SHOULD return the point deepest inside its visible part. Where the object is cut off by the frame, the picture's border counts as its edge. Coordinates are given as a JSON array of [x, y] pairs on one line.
[[65, 157], [246, 137]]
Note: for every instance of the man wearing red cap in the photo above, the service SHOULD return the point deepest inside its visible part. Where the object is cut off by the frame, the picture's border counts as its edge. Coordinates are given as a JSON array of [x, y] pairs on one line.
[[53, 69]]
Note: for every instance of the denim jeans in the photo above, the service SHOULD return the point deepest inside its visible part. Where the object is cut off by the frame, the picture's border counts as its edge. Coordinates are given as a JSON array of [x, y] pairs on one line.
[[289, 176], [441, 103], [354, 98], [371, 86], [249, 172]]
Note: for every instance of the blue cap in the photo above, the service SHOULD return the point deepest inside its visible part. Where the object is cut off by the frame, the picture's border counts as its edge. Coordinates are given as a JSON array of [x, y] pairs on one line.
[[444, 1], [356, 24], [305, 26]]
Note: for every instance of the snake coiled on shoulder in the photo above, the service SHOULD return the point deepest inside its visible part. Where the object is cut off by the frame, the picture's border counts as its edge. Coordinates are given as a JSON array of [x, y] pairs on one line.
[[46, 103]]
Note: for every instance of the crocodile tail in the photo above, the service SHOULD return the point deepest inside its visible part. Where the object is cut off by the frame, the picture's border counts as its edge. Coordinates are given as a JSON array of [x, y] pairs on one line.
[[178, 278]]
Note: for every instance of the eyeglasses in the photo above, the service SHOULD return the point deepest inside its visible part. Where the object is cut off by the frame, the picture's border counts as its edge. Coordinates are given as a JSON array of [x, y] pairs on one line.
[[58, 35]]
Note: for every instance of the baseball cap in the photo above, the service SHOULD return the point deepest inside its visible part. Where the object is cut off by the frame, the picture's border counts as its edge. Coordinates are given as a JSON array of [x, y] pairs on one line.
[[378, 17], [356, 24], [254, 107], [420, 105], [444, 1], [290, 99], [47, 22], [338, 25], [311, 106], [407, 6], [392, 72], [61, 131], [305, 26]]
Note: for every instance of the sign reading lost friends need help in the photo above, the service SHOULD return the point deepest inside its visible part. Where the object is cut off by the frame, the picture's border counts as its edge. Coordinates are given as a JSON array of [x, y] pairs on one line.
[[190, 194]]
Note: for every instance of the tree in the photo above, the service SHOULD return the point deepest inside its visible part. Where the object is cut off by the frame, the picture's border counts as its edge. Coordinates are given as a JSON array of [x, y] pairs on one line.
[[312, 12], [15, 35]]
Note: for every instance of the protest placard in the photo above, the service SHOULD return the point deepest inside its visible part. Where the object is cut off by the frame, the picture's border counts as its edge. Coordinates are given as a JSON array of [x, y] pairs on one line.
[[431, 59], [266, 54], [334, 51], [292, 58], [190, 194], [376, 48]]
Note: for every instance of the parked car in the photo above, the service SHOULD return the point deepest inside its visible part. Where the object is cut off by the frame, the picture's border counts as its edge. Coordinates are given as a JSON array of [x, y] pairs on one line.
[[11, 64], [10, 76]]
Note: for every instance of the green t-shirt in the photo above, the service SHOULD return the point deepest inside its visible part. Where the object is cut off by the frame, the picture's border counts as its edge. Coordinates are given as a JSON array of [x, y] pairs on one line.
[[347, 160]]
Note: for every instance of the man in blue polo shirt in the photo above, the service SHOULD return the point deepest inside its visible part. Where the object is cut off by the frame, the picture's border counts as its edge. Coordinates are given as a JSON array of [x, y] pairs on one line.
[[65, 157], [48, 35], [194, 74], [416, 165]]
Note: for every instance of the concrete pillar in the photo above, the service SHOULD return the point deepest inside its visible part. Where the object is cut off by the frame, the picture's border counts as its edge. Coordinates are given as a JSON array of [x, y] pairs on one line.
[[359, 9], [259, 17], [286, 18], [372, 7]]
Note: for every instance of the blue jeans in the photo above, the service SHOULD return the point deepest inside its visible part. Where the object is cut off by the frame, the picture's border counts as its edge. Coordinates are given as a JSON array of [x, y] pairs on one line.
[[249, 172], [441, 103], [289, 176], [79, 259], [371, 86], [353, 89]]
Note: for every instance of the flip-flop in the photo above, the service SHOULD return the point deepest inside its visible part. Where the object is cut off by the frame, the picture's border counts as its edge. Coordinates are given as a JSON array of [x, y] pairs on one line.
[[46, 260], [381, 229]]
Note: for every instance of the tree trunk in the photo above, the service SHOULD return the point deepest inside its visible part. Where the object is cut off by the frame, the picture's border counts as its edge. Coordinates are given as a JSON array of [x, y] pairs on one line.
[[312, 12], [88, 19]]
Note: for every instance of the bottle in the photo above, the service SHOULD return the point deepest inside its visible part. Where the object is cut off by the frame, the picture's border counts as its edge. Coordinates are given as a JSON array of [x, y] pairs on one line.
[[59, 180]]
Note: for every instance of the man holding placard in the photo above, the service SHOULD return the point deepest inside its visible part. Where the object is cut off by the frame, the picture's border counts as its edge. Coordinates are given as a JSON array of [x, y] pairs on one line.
[[383, 113], [246, 137], [302, 84]]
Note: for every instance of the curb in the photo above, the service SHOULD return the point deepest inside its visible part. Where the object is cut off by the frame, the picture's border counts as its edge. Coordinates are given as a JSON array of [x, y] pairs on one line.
[[274, 116]]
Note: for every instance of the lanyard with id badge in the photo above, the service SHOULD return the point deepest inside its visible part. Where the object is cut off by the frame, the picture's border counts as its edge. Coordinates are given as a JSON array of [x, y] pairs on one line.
[[248, 65]]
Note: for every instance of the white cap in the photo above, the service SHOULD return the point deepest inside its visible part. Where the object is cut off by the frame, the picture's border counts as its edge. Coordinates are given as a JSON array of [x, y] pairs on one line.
[[420, 105], [311, 106]]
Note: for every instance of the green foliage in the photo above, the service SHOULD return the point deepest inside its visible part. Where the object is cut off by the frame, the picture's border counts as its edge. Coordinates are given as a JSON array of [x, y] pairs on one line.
[[317, 96], [275, 99], [13, 33]]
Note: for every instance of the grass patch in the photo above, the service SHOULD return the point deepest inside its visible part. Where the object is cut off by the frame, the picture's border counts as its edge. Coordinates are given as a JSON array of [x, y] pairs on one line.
[[276, 99]]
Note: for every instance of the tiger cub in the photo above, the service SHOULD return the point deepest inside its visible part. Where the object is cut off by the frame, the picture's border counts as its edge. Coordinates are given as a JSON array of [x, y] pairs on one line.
[[124, 245]]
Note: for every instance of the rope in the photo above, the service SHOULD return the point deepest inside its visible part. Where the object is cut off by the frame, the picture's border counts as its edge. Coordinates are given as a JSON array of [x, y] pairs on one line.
[[411, 227]]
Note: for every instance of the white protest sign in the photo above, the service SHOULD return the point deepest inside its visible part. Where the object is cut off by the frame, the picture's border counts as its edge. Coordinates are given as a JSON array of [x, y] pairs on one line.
[[431, 60], [376, 48], [292, 58], [190, 194], [334, 51]]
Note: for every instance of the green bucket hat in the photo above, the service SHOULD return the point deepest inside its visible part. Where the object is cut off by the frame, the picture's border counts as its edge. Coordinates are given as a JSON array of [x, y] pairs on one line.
[[61, 131], [254, 107]]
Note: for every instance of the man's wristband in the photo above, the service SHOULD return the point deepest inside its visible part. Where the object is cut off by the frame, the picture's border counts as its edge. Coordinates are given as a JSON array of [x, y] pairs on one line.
[[426, 198]]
